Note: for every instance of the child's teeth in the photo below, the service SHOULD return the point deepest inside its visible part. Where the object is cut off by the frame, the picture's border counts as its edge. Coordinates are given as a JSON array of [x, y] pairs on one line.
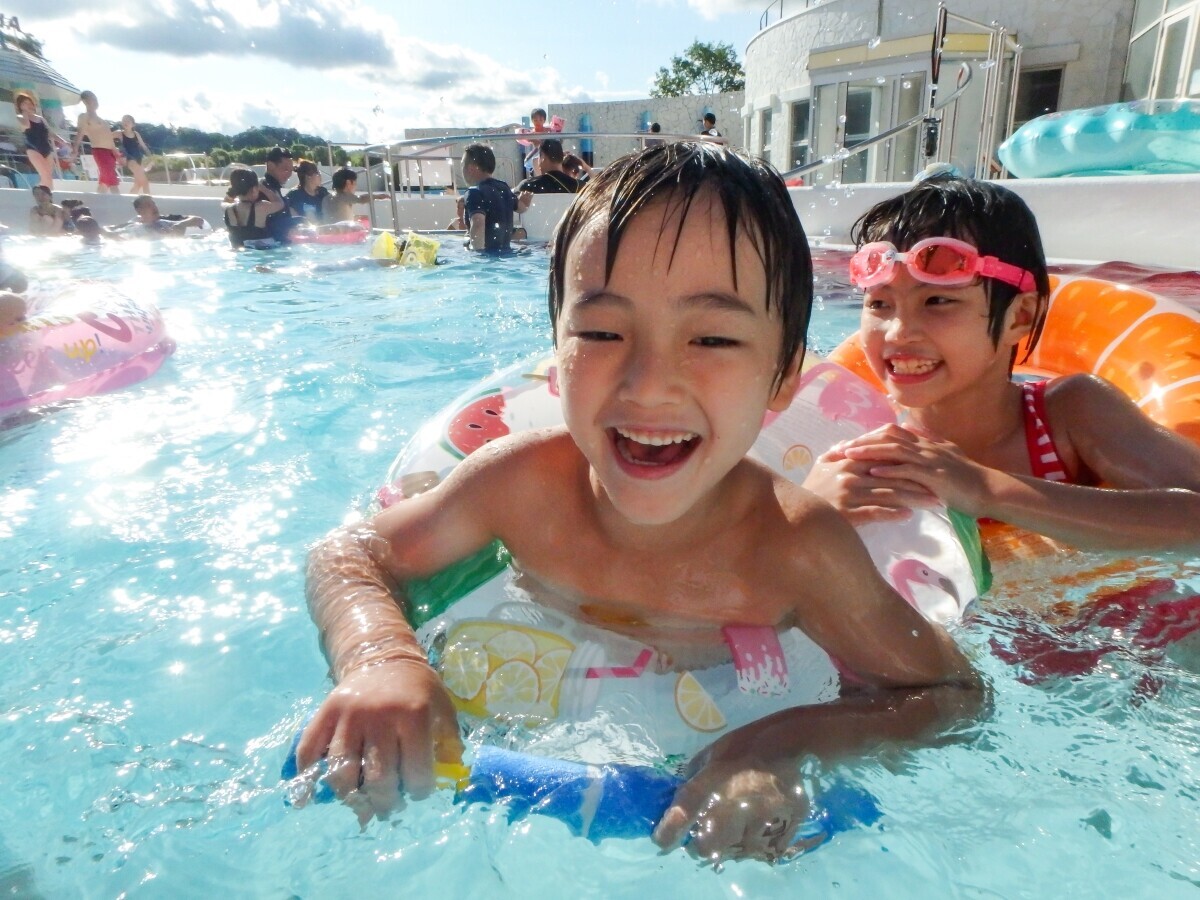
[[656, 439], [913, 366]]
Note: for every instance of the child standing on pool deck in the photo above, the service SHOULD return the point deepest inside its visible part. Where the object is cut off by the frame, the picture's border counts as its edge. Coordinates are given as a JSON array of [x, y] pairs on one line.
[[100, 135], [680, 292], [134, 150], [955, 279]]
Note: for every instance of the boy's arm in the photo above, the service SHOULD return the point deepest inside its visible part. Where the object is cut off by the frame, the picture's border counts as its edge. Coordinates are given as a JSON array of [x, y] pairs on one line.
[[389, 715], [77, 141], [477, 234], [1151, 498], [745, 795]]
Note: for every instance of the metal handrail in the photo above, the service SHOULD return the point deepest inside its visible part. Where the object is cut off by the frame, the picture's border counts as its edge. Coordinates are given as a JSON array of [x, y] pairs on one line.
[[765, 19], [846, 152], [386, 152]]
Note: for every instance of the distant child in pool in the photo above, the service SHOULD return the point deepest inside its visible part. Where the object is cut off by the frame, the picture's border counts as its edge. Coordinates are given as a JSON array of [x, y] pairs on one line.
[[955, 279], [680, 292]]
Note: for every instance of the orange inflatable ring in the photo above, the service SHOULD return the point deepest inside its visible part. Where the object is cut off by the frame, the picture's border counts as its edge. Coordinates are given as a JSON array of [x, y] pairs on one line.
[[1146, 345]]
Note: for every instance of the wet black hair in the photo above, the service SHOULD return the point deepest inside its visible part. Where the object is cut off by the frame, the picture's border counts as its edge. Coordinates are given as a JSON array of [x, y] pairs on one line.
[[991, 218], [341, 177], [305, 168], [241, 181], [751, 194], [552, 150], [482, 156]]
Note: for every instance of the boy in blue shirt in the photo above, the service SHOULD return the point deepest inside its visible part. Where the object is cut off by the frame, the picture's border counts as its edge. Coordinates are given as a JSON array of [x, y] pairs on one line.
[[489, 203]]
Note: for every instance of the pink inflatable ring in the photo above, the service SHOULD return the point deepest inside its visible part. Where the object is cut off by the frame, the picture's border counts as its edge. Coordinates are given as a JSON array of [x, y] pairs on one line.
[[75, 341]]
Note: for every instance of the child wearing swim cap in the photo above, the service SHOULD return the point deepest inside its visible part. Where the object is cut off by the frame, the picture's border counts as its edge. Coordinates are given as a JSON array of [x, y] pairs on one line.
[[955, 279], [680, 293]]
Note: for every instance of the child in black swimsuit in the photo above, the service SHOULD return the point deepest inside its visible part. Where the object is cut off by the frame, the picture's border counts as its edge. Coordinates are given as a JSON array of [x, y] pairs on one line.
[[39, 139], [134, 149]]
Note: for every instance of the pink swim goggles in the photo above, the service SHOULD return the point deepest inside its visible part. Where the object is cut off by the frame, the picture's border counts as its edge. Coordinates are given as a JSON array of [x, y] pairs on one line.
[[935, 260]]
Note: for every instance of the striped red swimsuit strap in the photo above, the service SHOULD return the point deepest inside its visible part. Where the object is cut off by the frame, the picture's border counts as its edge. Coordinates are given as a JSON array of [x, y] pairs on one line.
[[1043, 455]]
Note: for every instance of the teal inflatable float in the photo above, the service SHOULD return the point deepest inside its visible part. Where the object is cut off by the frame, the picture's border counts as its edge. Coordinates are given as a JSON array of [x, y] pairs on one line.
[[1145, 137]]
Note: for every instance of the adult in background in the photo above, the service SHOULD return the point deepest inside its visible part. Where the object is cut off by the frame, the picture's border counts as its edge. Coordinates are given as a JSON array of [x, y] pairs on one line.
[[709, 123], [278, 174], [310, 199], [46, 218], [39, 137], [655, 128], [155, 224], [248, 217], [279, 170], [552, 180]]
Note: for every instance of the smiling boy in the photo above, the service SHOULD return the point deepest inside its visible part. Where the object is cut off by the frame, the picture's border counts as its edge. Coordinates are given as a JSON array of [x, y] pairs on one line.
[[680, 291]]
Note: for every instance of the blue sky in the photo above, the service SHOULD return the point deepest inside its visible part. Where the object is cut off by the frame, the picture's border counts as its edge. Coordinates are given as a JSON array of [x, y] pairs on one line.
[[363, 70]]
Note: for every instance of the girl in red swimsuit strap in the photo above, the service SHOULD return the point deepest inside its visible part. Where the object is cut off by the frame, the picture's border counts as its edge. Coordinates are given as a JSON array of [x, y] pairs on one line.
[[955, 278]]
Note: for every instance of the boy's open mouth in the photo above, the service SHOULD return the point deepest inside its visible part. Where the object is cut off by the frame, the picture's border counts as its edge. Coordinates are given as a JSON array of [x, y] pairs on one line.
[[654, 448], [910, 367]]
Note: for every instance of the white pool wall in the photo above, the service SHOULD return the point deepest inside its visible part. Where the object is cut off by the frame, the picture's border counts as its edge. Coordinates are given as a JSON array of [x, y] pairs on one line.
[[1151, 220]]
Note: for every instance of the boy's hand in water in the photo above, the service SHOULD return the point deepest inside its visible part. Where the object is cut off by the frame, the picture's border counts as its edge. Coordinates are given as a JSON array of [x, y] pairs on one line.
[[851, 483], [379, 731], [736, 805], [906, 462]]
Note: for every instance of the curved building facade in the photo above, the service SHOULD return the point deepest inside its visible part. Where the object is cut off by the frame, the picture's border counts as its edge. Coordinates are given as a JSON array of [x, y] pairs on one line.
[[825, 76]]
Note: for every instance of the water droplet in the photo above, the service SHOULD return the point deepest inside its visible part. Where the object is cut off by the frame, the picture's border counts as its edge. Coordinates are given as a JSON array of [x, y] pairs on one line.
[[841, 120], [879, 79], [906, 84], [874, 42], [987, 64]]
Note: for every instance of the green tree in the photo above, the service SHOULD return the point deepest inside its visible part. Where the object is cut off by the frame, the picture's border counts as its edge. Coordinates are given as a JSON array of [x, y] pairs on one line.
[[220, 157], [703, 69]]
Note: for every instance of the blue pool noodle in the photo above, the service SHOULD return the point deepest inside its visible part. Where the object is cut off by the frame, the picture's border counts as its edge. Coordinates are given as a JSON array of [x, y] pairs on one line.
[[615, 800]]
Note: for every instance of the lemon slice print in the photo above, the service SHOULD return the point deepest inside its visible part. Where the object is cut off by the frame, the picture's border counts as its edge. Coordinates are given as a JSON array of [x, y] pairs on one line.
[[550, 667], [798, 456], [512, 644], [464, 668], [512, 688], [694, 705]]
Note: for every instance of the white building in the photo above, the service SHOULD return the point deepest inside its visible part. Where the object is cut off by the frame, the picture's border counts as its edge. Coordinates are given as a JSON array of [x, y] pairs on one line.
[[822, 77]]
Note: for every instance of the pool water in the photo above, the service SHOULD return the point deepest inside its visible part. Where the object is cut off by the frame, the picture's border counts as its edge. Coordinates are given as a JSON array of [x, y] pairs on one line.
[[157, 653]]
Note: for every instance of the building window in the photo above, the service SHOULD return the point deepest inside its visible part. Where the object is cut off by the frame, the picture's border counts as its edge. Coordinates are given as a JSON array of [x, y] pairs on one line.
[[764, 134], [801, 142], [862, 109], [1038, 93], [1164, 51]]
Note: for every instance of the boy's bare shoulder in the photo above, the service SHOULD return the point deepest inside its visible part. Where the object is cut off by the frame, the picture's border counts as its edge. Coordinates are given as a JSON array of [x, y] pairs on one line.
[[537, 452]]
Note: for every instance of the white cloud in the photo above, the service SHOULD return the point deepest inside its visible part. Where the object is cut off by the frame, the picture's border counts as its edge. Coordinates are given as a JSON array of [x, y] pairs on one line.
[[711, 9]]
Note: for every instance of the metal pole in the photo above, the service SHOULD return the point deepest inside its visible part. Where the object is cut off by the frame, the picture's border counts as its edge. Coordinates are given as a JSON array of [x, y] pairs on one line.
[[371, 204], [390, 183], [932, 123], [1012, 101]]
